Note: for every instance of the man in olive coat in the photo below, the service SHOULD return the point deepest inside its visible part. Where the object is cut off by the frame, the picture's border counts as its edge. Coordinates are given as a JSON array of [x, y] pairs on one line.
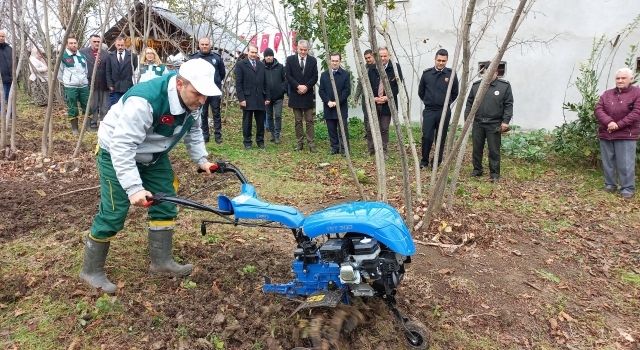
[[491, 120], [253, 95], [302, 74]]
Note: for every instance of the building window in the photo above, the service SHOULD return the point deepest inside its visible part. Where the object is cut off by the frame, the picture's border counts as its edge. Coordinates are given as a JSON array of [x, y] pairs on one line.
[[502, 67]]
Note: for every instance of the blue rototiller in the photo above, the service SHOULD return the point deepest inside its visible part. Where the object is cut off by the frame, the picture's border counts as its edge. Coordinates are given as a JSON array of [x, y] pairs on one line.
[[354, 249]]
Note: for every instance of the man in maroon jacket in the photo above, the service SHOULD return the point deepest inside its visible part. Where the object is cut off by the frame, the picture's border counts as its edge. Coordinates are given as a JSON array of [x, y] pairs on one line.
[[618, 114]]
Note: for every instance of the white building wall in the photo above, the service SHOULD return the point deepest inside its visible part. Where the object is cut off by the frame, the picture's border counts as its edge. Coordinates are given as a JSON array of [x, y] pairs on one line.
[[540, 74]]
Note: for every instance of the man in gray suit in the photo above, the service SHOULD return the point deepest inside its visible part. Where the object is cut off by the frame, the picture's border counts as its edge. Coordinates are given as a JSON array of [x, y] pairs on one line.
[[301, 71], [120, 67]]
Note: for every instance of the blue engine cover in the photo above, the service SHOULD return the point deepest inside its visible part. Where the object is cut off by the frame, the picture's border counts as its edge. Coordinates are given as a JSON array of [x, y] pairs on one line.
[[375, 219], [309, 279], [247, 205]]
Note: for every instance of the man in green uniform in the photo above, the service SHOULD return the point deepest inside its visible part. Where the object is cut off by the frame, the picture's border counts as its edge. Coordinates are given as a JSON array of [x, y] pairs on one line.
[[73, 76], [134, 141], [491, 120]]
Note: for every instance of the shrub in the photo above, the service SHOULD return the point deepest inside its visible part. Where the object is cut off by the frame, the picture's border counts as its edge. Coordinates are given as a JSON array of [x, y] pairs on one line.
[[530, 146]]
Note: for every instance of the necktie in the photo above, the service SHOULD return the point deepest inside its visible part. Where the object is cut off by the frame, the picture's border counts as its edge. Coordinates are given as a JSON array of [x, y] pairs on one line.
[[120, 57], [380, 89], [302, 64], [334, 72], [253, 64]]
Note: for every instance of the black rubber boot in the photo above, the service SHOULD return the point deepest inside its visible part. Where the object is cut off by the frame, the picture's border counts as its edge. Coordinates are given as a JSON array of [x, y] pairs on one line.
[[160, 252], [95, 255], [74, 126]]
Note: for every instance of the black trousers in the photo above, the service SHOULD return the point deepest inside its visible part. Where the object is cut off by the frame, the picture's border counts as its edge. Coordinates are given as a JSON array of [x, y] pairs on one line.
[[247, 120], [430, 123], [335, 138], [491, 133], [214, 103]]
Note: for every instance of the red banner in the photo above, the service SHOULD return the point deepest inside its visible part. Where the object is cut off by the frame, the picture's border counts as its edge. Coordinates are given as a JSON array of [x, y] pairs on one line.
[[277, 38], [294, 43], [265, 42], [254, 40]]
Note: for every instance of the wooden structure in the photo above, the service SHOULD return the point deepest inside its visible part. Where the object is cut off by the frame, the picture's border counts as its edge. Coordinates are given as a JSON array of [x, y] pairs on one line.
[[168, 34]]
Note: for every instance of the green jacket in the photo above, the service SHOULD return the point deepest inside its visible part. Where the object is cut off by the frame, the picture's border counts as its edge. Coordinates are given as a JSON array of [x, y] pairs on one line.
[[497, 105]]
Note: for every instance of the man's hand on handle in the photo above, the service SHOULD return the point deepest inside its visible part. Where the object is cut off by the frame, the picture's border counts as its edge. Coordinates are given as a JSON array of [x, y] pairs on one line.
[[139, 199]]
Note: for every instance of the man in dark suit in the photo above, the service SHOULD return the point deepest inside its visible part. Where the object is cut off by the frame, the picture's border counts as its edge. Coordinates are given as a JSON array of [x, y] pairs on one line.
[[302, 74], [120, 67], [432, 90], [253, 95], [206, 53], [329, 101], [380, 97], [100, 97]]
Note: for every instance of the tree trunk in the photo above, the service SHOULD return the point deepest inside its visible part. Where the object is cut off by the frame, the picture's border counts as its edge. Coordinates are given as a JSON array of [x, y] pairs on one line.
[[343, 135], [47, 131], [435, 203], [371, 111], [394, 113], [93, 80], [406, 111]]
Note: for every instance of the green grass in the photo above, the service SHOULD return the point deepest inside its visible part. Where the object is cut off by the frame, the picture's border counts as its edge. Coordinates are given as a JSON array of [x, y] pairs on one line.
[[548, 276], [39, 326], [630, 277]]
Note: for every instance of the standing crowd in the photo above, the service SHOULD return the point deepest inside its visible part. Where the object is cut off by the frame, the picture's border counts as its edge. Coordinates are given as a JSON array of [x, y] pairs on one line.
[[144, 108]]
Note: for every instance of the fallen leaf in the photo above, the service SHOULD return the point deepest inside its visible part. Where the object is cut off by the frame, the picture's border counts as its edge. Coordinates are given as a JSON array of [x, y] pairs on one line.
[[566, 316], [626, 335], [41, 193], [553, 323], [516, 252], [18, 312], [446, 271]]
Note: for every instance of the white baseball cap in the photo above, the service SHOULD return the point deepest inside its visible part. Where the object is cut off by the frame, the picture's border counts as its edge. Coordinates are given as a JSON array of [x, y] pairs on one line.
[[201, 75]]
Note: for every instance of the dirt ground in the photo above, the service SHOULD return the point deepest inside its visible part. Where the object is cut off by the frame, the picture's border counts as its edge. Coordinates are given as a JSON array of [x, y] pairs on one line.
[[550, 262]]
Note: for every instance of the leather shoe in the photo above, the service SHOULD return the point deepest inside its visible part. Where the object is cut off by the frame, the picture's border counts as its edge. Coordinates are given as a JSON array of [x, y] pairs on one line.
[[312, 149], [476, 173], [206, 138], [627, 195], [494, 177], [247, 146], [218, 139], [299, 148]]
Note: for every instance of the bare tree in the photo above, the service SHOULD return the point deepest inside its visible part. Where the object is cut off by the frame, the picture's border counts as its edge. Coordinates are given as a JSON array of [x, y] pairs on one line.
[[406, 113], [93, 81], [408, 202], [369, 105], [436, 201], [47, 131], [343, 135]]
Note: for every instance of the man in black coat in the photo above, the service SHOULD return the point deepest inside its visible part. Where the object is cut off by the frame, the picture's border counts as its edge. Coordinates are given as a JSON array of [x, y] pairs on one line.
[[432, 91], [6, 61], [206, 53], [342, 79], [100, 97], [277, 86], [380, 97], [120, 67], [302, 74], [253, 95]]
